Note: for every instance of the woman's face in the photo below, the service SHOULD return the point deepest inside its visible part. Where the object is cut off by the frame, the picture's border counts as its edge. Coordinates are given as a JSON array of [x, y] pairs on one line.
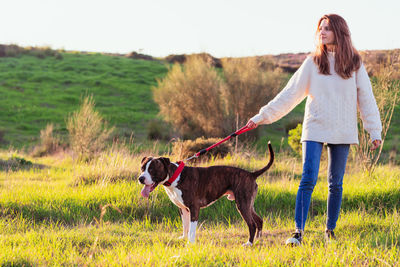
[[326, 36]]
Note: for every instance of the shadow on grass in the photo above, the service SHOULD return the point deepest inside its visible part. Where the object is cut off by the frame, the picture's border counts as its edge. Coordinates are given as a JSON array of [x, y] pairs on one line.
[[18, 262], [74, 212], [16, 164], [68, 212], [161, 209], [378, 201]]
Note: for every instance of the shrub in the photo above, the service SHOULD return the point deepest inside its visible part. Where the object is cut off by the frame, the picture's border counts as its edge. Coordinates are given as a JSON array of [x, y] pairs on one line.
[[48, 142], [386, 89], [39, 52], [292, 123], [185, 149], [157, 130], [294, 139], [12, 50], [189, 98], [88, 132], [250, 84], [15, 163], [199, 101]]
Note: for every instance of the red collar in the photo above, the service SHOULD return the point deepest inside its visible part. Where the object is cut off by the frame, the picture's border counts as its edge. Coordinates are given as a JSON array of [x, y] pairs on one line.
[[176, 173]]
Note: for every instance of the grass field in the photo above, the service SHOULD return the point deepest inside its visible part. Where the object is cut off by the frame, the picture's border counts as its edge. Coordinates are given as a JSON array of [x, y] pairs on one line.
[[37, 91], [54, 211]]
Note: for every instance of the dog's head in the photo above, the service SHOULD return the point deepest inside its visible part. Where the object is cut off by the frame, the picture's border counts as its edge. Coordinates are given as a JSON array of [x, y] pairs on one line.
[[154, 171]]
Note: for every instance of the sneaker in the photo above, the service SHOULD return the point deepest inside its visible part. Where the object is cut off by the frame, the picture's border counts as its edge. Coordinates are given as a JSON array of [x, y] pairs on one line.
[[295, 239], [329, 235]]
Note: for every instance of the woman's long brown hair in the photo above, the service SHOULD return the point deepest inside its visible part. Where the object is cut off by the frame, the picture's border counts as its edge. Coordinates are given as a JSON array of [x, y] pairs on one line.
[[347, 58]]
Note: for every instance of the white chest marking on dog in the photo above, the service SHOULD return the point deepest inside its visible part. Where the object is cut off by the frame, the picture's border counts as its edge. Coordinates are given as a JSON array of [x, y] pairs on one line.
[[175, 194], [192, 231]]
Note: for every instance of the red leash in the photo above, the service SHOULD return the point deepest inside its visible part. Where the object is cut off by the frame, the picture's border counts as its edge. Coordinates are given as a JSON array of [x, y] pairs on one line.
[[201, 152], [238, 132]]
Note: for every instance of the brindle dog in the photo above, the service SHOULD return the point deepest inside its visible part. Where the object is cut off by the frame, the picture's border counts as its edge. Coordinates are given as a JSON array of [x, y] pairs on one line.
[[199, 187]]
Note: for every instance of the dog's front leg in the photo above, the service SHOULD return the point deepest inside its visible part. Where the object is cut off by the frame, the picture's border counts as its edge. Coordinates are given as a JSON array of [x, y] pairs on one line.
[[194, 217], [185, 215]]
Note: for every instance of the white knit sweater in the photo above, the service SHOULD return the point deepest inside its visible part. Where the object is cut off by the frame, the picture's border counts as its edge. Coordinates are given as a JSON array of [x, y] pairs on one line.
[[331, 108]]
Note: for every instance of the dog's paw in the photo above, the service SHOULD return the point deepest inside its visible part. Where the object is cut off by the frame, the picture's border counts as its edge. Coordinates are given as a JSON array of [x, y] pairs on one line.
[[230, 195], [248, 244]]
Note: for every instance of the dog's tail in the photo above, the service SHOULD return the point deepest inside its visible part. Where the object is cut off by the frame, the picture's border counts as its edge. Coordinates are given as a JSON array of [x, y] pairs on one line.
[[271, 160]]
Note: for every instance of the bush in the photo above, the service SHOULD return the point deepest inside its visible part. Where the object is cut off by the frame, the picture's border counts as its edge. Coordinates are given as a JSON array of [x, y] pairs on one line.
[[39, 52], [250, 84], [294, 139], [386, 91], [88, 132], [190, 99], [15, 163], [185, 149], [292, 123], [48, 142], [12, 50], [157, 130], [199, 101]]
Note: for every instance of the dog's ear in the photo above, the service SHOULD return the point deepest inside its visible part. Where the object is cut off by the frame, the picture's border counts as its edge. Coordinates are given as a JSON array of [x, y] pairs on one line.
[[146, 159], [165, 161]]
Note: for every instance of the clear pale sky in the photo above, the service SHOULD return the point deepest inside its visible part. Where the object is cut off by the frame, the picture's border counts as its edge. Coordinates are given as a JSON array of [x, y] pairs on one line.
[[223, 28]]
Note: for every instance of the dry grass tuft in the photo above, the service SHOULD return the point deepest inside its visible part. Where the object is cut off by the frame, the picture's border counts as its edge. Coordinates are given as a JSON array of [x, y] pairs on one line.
[[116, 164], [49, 143]]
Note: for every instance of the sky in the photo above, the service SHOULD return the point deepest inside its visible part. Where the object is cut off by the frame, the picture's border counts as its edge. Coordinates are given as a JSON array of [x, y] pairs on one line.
[[223, 28]]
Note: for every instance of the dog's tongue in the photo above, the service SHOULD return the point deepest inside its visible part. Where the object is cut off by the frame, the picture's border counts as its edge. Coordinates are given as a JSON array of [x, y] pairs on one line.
[[146, 190]]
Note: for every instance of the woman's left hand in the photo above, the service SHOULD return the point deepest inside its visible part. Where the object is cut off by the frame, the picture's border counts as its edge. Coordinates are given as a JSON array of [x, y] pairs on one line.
[[251, 125], [375, 144]]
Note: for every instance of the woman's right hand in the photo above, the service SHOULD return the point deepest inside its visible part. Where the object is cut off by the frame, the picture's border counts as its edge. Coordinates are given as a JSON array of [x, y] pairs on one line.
[[251, 125]]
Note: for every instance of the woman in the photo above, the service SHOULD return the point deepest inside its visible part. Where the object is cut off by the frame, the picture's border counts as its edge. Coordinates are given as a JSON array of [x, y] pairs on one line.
[[335, 82]]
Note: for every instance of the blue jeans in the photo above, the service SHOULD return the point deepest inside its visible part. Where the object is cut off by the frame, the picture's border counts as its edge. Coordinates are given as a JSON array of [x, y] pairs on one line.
[[337, 158]]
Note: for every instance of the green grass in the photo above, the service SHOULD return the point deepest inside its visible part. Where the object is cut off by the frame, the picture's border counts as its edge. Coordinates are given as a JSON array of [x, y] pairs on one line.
[[45, 219], [35, 92]]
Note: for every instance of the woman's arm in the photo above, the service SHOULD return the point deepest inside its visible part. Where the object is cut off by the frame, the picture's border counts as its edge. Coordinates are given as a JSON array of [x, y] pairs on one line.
[[293, 93], [367, 105]]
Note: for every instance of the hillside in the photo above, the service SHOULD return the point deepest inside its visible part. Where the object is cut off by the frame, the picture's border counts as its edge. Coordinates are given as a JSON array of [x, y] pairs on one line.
[[372, 59], [41, 86], [290, 62], [37, 91]]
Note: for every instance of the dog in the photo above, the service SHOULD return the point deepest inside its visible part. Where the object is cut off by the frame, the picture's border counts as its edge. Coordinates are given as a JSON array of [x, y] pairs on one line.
[[199, 187]]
